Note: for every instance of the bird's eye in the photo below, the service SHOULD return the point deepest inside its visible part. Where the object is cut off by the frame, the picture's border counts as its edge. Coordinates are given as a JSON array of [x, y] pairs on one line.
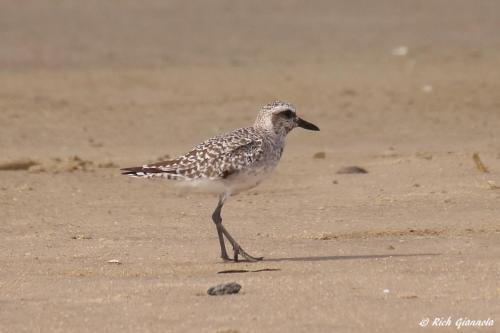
[[287, 113]]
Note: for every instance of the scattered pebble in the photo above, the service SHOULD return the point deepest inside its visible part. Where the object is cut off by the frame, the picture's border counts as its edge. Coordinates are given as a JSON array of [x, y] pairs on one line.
[[320, 155], [224, 289], [114, 261], [386, 291], [351, 169], [390, 247], [79, 236], [400, 51], [335, 182], [407, 296]]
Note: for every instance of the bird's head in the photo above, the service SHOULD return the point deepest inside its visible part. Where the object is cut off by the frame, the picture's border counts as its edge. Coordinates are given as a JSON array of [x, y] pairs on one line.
[[280, 118]]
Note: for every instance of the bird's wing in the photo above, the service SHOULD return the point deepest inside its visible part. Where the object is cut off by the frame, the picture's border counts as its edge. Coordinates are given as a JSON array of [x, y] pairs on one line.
[[214, 158]]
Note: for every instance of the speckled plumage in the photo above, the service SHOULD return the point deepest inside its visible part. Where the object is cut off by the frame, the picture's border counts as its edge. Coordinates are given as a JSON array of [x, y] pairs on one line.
[[233, 162], [237, 160]]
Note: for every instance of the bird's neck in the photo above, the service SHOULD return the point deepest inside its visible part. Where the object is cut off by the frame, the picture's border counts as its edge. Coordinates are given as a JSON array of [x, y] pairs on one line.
[[277, 137]]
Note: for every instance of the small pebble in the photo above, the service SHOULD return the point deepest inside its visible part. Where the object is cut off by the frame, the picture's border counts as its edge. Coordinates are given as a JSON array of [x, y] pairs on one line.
[[80, 236], [320, 155], [114, 261], [224, 289], [351, 169]]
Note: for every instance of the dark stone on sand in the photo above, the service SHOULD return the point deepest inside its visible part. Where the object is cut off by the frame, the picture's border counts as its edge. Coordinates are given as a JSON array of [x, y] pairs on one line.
[[320, 155], [351, 169], [224, 289]]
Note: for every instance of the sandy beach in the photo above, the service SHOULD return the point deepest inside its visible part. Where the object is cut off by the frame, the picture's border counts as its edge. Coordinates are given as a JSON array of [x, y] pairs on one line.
[[407, 90]]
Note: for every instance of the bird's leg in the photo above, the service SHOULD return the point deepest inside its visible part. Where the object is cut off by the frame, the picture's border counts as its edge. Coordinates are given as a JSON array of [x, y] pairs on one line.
[[221, 232], [218, 224], [237, 248]]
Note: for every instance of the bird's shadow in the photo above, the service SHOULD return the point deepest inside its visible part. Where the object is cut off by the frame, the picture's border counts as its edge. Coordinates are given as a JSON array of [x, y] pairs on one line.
[[355, 257]]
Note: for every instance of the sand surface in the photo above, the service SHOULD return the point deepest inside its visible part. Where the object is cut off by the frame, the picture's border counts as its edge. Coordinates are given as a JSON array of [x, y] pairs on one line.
[[87, 87]]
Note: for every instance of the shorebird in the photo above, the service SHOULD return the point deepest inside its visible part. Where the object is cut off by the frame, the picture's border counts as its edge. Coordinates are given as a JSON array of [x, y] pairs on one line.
[[233, 162]]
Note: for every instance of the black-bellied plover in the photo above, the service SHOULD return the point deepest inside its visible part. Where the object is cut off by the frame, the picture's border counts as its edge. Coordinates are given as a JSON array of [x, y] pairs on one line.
[[233, 162]]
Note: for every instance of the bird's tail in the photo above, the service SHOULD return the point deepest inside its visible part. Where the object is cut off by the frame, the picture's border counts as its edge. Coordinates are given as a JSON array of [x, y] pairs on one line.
[[150, 172]]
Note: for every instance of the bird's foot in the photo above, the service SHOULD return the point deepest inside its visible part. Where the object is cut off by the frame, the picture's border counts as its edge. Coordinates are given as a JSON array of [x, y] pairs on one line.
[[239, 251]]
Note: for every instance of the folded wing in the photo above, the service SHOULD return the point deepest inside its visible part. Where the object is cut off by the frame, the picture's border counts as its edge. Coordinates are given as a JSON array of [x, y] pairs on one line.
[[216, 158]]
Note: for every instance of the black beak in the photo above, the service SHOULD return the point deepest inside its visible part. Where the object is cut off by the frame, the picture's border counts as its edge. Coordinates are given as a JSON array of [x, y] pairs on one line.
[[306, 125]]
